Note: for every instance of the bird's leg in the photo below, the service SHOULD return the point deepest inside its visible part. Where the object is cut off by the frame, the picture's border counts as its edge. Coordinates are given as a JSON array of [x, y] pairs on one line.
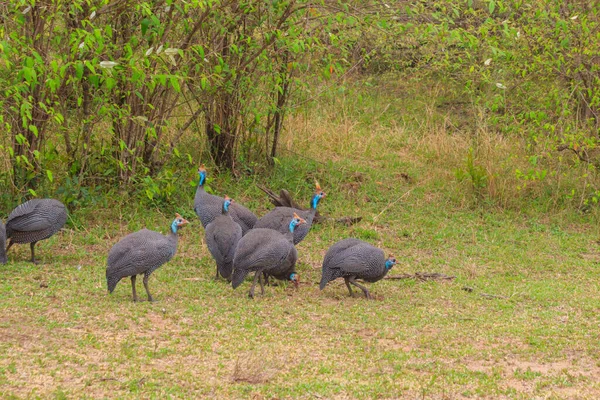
[[348, 286], [256, 276], [32, 245], [146, 286], [266, 277], [9, 245], [217, 275], [364, 289], [133, 288], [262, 288]]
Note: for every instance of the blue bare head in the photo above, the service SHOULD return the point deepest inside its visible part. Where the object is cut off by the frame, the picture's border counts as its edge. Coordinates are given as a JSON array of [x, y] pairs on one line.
[[202, 173], [390, 262], [226, 203], [319, 194], [296, 220], [294, 278], [177, 223]]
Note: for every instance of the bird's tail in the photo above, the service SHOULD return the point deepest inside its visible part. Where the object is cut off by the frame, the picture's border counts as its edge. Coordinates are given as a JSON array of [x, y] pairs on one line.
[[238, 277]]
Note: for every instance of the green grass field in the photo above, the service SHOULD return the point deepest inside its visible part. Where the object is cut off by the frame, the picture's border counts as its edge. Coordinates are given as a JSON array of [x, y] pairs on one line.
[[528, 329]]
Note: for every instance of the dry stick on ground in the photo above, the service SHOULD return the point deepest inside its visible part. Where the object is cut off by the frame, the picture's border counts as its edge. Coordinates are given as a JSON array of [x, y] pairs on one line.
[[486, 295], [423, 276]]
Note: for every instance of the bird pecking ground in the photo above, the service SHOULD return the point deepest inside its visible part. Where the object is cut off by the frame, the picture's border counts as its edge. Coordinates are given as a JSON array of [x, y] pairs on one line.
[[520, 319]]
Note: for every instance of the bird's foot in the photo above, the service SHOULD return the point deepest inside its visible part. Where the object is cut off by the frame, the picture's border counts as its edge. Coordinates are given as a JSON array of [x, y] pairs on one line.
[[34, 261]]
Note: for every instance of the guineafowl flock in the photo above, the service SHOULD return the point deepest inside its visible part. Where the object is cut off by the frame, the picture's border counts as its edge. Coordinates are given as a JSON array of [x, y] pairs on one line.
[[238, 241]]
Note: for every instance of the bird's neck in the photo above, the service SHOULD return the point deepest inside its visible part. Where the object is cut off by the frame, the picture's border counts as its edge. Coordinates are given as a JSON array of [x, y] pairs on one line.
[[314, 202]]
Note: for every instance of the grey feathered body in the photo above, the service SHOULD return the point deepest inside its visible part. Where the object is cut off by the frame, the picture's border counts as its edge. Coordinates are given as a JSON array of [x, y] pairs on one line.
[[353, 258], [222, 236], [279, 219], [264, 250], [140, 252], [208, 207], [3, 258], [35, 220]]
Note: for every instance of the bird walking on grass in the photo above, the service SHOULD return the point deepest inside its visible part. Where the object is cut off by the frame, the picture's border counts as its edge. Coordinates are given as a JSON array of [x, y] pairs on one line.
[[279, 218], [208, 207], [353, 259], [141, 252], [266, 250], [35, 220], [222, 236]]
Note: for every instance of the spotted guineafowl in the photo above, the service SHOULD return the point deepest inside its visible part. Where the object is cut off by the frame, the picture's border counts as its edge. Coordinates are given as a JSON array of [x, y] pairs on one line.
[[3, 258], [266, 250], [208, 207], [139, 253], [354, 259], [279, 218], [222, 236], [35, 220]]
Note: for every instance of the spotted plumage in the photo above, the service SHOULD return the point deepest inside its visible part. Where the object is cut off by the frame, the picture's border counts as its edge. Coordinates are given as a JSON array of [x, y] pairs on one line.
[[208, 207], [35, 220], [266, 250], [141, 252], [3, 258], [222, 236], [279, 218], [354, 259]]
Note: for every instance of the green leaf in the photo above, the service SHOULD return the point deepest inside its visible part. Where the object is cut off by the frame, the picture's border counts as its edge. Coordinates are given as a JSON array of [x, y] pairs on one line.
[[145, 24], [79, 70], [50, 176], [492, 6], [175, 83]]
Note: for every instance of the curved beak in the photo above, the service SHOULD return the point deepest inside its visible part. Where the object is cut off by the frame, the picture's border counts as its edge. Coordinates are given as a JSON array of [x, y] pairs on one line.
[[296, 282], [184, 222]]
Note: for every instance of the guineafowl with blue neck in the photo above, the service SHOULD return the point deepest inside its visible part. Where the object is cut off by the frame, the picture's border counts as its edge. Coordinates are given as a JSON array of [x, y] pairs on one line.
[[222, 236], [35, 220], [279, 218], [208, 207], [354, 259], [3, 258], [141, 252], [265, 250]]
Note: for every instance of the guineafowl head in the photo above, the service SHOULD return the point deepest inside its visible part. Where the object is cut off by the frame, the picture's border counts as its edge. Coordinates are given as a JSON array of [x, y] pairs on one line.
[[296, 220], [319, 194], [294, 278], [390, 262], [202, 173], [226, 203], [177, 223]]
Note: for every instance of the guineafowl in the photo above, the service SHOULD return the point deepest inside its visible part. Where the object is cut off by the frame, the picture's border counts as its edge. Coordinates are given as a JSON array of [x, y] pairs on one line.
[[35, 220], [2, 243], [141, 252], [279, 218], [266, 250], [209, 206], [222, 236], [354, 259]]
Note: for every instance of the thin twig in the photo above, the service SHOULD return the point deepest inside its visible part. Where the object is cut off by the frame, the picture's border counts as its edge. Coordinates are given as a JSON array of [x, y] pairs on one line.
[[486, 295], [423, 276]]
